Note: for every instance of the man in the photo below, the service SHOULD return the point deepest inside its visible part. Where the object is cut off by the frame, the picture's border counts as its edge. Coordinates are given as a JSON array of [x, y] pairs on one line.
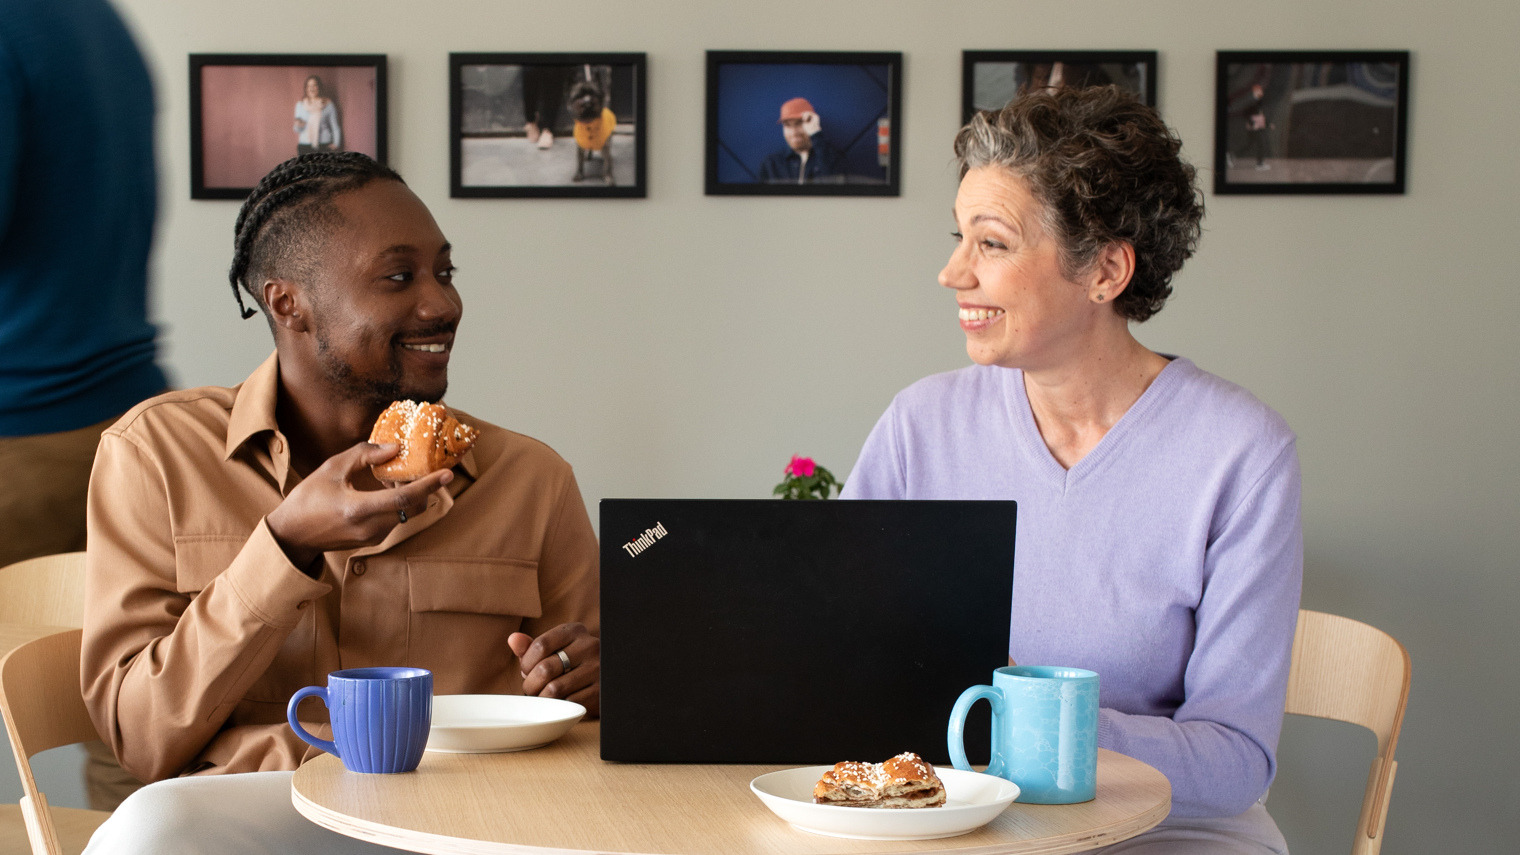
[[808, 156], [240, 547], [77, 202]]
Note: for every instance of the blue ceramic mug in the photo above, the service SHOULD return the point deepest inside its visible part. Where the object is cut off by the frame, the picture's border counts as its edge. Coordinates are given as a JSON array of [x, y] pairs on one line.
[[380, 717], [1044, 731]]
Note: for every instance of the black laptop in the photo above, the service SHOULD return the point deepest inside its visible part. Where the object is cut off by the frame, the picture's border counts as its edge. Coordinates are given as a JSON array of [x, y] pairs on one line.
[[798, 632]]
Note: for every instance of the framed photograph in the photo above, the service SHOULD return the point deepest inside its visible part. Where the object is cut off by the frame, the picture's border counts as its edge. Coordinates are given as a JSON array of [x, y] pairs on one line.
[[251, 112], [546, 125], [1310, 121], [803, 124], [992, 78]]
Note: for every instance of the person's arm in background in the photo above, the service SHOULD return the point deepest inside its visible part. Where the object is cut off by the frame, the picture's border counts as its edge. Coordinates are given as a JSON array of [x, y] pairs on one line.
[[301, 119], [330, 119], [1218, 749], [826, 158]]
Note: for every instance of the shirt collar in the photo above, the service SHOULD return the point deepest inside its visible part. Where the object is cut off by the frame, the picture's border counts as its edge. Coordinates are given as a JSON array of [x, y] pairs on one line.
[[253, 407]]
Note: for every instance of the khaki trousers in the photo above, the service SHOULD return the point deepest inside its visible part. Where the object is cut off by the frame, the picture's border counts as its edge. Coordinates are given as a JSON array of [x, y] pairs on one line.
[[46, 478], [45, 481]]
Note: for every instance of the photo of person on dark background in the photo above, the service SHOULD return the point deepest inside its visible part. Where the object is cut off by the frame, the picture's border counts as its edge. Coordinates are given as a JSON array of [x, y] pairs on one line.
[[1310, 121], [836, 113], [808, 156]]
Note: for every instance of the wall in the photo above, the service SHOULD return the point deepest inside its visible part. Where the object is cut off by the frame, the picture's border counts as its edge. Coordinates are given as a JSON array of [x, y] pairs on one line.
[[683, 345]]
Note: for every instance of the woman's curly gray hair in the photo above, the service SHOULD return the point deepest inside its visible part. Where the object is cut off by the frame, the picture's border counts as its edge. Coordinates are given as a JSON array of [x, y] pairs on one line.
[[1105, 168]]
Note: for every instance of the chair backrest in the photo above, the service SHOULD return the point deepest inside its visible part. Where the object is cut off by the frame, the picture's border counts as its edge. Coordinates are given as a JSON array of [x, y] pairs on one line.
[[48, 590], [1348, 671], [43, 707]]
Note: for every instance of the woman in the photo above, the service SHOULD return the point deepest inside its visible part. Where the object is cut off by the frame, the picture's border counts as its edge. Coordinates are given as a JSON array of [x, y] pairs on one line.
[[316, 120], [1159, 539]]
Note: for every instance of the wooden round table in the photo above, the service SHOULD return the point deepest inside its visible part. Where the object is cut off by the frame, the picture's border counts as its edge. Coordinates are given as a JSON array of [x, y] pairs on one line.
[[563, 799]]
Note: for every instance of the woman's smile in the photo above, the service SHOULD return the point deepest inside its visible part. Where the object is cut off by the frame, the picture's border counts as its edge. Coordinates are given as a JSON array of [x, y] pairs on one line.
[[975, 318]]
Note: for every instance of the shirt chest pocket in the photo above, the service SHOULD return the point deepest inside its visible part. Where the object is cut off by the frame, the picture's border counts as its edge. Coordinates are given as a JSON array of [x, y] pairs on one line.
[[477, 586], [199, 559]]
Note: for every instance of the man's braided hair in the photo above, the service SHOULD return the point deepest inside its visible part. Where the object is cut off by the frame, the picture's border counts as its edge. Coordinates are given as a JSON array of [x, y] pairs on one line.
[[287, 212]]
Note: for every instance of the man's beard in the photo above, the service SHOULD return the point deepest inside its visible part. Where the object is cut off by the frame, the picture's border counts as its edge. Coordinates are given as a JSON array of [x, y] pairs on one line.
[[377, 392]]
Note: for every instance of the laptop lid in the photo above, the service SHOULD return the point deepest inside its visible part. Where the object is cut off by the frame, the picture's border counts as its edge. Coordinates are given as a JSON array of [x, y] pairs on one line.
[[799, 632]]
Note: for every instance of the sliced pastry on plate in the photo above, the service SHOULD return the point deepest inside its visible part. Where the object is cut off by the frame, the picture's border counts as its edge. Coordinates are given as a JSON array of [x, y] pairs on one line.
[[905, 781]]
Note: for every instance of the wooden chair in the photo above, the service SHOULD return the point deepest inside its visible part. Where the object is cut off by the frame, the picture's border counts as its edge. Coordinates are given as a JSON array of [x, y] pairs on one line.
[[45, 591], [48, 590], [1348, 671], [39, 694]]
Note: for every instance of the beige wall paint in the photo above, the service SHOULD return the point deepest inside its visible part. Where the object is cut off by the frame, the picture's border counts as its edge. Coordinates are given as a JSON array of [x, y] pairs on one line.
[[683, 345]]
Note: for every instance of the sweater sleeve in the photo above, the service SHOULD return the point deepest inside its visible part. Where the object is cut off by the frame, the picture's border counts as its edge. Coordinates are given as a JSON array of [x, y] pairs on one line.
[[1219, 748], [10, 136], [163, 666], [879, 470], [330, 118]]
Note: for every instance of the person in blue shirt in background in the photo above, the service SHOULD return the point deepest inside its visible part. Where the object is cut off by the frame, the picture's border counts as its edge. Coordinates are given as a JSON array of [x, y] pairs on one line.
[[77, 202]]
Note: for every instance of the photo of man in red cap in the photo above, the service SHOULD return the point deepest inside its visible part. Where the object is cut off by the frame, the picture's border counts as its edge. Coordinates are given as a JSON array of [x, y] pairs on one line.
[[808, 158]]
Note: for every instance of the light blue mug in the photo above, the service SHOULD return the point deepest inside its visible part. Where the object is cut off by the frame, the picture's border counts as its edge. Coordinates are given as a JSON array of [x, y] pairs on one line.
[[1044, 731], [380, 717]]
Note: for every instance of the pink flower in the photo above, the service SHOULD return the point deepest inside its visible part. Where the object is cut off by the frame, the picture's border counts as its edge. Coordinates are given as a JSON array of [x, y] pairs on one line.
[[801, 467]]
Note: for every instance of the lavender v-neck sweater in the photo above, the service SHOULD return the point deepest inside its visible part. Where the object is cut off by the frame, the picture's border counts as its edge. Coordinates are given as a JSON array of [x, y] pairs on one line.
[[1169, 559]]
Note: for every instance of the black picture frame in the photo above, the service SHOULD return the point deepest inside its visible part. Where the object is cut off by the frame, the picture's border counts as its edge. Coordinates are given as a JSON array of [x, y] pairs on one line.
[[493, 154], [746, 94], [242, 123], [1339, 119], [992, 78]]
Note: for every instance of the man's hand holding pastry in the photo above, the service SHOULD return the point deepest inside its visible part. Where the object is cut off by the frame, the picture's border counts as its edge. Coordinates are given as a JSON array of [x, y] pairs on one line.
[[327, 512], [564, 663]]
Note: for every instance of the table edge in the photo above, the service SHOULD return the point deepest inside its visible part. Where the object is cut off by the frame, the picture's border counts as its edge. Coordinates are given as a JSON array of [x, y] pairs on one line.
[[440, 844]]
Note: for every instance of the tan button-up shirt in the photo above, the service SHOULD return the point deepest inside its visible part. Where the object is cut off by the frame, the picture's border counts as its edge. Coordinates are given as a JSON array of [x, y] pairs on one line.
[[198, 629]]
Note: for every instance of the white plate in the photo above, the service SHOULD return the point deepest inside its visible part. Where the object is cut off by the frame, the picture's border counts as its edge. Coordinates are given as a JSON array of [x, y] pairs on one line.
[[972, 800], [482, 724]]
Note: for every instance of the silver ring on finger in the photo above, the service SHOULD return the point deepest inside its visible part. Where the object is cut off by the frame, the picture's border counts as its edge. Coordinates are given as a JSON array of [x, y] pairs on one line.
[[401, 512], [564, 663]]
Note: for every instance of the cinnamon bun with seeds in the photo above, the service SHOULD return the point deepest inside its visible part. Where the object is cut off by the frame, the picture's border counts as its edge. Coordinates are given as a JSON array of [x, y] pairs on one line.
[[904, 781], [429, 437]]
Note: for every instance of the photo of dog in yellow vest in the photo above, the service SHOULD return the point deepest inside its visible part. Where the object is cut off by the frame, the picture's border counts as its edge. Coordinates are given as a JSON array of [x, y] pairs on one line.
[[594, 120]]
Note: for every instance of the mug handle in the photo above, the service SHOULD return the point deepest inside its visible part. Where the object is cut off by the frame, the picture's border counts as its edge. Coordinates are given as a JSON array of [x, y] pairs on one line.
[[956, 735], [290, 716]]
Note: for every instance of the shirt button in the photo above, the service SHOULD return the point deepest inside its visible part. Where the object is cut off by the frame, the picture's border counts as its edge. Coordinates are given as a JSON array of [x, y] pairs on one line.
[[358, 568]]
